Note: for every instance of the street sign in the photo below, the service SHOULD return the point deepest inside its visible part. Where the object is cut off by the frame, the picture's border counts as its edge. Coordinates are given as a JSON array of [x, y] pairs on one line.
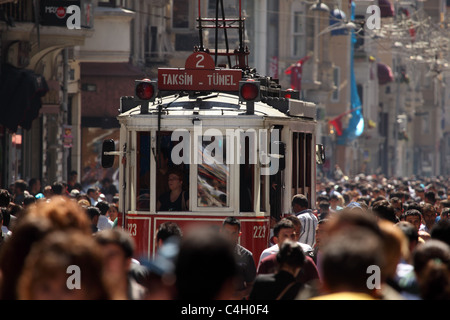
[[199, 74]]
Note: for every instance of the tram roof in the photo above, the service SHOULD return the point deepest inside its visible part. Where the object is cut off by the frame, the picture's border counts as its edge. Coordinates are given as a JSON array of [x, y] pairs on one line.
[[214, 104]]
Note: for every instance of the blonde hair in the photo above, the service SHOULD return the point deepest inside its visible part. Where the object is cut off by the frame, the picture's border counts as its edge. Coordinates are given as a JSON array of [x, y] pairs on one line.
[[63, 213]]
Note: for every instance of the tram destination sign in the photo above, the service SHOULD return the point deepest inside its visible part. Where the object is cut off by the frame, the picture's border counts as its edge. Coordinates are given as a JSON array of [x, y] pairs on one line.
[[199, 74]]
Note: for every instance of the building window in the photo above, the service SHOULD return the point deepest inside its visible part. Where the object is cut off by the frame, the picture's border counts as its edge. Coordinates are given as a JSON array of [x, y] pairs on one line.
[[336, 83], [298, 29], [180, 14]]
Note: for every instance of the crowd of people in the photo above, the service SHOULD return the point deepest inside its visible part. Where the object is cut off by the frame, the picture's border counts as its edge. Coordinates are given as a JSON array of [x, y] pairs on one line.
[[365, 238]]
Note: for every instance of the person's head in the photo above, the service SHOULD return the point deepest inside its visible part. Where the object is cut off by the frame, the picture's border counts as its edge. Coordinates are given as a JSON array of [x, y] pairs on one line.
[[420, 192], [93, 193], [167, 230], [349, 219], [395, 247], [58, 188], [206, 267], [62, 212], [117, 247], [103, 206], [299, 203], [320, 232], [29, 199], [34, 185], [414, 217], [113, 211], [19, 187], [297, 225], [429, 215], [346, 258], [284, 230], [430, 197], [45, 274], [441, 231], [432, 269], [445, 212], [93, 213], [291, 257], [411, 234], [73, 175], [5, 198], [231, 229], [48, 193], [384, 210], [324, 206], [175, 180], [115, 200]]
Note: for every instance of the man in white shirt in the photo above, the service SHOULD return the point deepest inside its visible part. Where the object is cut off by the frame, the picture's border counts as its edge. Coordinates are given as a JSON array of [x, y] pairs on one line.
[[300, 206], [276, 248], [103, 222]]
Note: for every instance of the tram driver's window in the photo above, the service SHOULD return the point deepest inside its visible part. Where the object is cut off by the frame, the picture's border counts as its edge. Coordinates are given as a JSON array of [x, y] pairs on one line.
[[172, 181], [213, 173]]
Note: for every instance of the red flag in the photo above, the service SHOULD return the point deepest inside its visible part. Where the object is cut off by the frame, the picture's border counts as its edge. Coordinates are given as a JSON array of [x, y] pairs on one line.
[[295, 70], [336, 123]]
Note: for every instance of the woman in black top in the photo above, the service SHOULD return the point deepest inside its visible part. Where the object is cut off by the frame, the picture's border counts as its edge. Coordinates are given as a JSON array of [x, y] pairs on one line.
[[176, 199]]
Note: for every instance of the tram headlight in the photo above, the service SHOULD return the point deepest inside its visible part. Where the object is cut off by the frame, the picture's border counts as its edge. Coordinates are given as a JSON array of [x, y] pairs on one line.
[[249, 90], [145, 90]]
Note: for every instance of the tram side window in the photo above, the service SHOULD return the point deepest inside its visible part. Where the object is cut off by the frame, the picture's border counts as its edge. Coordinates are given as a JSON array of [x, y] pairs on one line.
[[246, 179], [213, 174], [143, 171], [172, 181]]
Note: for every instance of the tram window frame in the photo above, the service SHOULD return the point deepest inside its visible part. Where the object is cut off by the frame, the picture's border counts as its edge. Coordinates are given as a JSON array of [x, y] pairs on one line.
[[166, 148], [231, 185]]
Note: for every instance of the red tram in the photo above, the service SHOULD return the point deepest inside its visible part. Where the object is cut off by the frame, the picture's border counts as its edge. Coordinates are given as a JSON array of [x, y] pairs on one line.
[[243, 145]]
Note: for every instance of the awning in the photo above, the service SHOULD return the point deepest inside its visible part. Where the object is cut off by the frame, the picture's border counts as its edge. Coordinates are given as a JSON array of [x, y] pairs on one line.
[[385, 74], [386, 8]]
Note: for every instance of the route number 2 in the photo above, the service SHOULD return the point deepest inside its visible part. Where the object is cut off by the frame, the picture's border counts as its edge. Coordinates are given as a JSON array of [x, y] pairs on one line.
[[200, 60]]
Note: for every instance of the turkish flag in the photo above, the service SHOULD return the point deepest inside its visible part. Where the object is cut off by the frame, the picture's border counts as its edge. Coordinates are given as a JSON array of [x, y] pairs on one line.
[[295, 70]]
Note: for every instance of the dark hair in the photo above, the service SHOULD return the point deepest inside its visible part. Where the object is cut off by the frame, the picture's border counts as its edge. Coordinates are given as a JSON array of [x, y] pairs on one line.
[[295, 220], [167, 230], [118, 237], [411, 212], [431, 196], [445, 203], [384, 210], [233, 222], [291, 254], [282, 224], [115, 199], [29, 199], [301, 200], [445, 212], [92, 212], [103, 206], [324, 205], [21, 184], [346, 257], [57, 188], [432, 266], [5, 198], [409, 231], [441, 231], [205, 263]]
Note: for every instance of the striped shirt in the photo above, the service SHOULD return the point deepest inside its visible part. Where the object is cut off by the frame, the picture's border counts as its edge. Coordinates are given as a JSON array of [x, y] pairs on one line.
[[309, 224]]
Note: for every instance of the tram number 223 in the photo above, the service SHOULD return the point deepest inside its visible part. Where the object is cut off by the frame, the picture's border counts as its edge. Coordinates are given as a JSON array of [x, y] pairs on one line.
[[259, 232], [132, 229]]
